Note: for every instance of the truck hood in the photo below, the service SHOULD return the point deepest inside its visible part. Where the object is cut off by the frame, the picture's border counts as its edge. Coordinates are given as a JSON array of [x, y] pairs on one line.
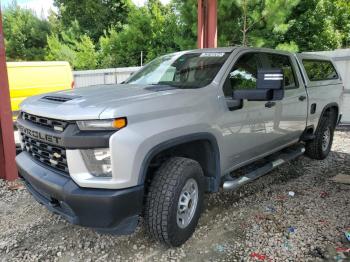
[[95, 102]]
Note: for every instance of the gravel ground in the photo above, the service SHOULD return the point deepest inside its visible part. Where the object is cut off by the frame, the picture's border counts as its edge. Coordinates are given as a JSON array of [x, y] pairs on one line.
[[260, 221]]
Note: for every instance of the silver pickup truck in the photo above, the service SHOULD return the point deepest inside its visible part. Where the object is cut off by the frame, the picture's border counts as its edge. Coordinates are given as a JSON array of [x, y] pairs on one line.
[[182, 126]]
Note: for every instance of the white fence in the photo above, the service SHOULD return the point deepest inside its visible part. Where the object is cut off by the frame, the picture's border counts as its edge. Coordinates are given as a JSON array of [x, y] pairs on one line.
[[102, 76]]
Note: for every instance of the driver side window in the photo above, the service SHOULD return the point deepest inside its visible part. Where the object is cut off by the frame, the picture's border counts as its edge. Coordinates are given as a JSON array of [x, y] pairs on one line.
[[243, 75]]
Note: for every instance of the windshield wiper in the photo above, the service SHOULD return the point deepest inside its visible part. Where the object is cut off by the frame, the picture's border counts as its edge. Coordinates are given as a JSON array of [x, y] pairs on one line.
[[163, 84], [159, 87], [174, 84]]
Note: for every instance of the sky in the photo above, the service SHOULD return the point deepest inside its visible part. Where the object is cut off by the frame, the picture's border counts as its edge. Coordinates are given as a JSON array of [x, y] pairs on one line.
[[42, 7]]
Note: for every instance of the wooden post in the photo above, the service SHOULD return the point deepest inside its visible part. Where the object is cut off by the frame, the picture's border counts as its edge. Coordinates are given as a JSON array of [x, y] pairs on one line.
[[8, 169], [207, 24]]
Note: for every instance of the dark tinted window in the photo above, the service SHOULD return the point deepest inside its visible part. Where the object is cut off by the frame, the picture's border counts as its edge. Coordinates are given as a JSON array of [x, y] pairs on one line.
[[243, 74], [283, 62], [319, 70]]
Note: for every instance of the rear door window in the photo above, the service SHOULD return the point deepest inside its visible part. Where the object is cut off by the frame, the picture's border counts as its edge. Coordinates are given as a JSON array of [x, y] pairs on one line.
[[283, 62], [318, 70]]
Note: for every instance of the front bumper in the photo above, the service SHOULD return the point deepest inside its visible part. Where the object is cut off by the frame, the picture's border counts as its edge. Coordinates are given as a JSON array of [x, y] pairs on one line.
[[106, 210], [68, 144]]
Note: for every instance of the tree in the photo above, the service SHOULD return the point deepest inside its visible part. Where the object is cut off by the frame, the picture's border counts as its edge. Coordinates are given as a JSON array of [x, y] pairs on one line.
[[229, 27], [86, 57], [56, 50], [151, 29], [79, 50], [319, 25], [263, 15], [93, 16], [186, 20], [25, 34], [110, 33], [246, 22]]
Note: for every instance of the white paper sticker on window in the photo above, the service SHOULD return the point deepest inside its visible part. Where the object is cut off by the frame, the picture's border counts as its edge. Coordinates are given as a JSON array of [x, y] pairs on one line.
[[212, 54]]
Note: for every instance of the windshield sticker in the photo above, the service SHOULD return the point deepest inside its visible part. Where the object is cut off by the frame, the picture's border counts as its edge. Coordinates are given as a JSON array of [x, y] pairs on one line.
[[212, 54]]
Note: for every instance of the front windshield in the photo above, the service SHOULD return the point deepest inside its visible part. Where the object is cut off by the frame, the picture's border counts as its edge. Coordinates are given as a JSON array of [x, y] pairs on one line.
[[191, 70]]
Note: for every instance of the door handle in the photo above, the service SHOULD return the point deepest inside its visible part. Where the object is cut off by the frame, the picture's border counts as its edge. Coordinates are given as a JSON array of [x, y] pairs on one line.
[[302, 98], [270, 104]]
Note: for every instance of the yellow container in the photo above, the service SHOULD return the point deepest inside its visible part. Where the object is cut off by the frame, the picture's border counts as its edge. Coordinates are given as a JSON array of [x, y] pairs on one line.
[[33, 78]]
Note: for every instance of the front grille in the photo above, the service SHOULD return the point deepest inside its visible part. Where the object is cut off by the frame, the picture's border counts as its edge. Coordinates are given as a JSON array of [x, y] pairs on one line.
[[52, 156], [57, 125]]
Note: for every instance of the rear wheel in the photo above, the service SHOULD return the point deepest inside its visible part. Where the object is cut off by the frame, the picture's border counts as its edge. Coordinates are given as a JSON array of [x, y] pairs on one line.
[[174, 201], [320, 146]]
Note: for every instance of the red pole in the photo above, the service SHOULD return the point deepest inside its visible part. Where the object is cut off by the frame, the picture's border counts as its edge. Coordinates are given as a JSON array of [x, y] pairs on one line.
[[8, 169], [207, 24], [200, 26], [212, 23]]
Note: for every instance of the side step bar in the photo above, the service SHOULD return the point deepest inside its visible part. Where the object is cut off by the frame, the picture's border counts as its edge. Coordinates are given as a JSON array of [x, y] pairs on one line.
[[274, 161]]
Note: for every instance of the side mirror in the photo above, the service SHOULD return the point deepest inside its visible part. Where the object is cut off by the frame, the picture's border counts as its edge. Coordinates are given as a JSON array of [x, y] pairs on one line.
[[270, 87]]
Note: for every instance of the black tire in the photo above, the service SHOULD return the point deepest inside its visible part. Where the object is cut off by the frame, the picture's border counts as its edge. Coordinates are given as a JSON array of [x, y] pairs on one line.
[[316, 148], [162, 201]]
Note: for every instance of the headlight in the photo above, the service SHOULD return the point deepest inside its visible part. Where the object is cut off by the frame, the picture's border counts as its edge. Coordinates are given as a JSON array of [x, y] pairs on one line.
[[98, 161], [100, 125]]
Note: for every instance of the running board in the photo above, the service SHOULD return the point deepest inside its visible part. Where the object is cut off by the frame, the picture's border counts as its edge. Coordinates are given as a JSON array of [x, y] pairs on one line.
[[274, 161]]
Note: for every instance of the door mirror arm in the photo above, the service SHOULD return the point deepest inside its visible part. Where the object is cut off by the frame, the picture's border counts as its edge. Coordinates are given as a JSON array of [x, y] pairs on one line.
[[233, 104]]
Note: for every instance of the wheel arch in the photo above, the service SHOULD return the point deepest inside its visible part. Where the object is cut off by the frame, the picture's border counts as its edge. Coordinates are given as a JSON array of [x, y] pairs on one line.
[[329, 109], [202, 147]]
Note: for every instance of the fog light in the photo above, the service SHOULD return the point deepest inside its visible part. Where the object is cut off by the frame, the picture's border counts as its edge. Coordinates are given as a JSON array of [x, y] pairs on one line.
[[98, 161]]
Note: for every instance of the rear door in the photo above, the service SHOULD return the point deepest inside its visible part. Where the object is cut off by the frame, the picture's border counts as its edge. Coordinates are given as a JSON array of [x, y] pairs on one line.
[[291, 112]]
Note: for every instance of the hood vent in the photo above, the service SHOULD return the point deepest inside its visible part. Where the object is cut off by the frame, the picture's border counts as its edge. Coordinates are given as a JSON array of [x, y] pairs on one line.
[[59, 99]]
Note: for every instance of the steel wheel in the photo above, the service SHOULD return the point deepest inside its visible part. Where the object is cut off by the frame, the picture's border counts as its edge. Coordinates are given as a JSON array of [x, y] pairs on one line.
[[174, 202], [326, 138], [187, 204]]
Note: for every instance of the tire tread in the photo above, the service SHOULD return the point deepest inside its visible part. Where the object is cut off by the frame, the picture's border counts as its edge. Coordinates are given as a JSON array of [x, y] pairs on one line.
[[313, 148], [159, 200]]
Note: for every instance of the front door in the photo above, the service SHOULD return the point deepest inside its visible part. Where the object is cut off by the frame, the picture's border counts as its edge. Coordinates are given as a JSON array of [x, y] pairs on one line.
[[248, 131]]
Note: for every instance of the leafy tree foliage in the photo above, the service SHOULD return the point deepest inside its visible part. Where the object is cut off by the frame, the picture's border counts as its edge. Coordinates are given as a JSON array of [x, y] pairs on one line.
[[93, 16], [79, 50], [319, 25], [186, 20], [112, 33], [59, 51], [293, 25], [25, 34], [151, 29], [240, 22]]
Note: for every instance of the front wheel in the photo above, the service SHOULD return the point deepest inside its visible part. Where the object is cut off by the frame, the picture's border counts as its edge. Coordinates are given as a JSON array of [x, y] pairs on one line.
[[320, 146], [174, 201]]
